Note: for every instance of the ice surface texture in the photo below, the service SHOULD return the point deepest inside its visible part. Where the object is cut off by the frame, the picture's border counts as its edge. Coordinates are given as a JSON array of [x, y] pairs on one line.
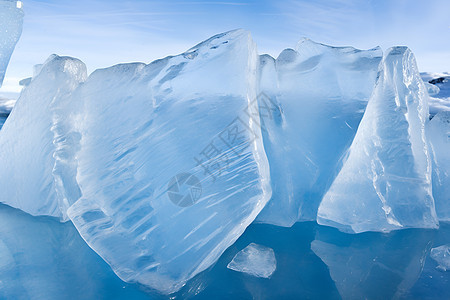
[[11, 20], [28, 145], [438, 132], [256, 260], [385, 183], [316, 96], [441, 255]]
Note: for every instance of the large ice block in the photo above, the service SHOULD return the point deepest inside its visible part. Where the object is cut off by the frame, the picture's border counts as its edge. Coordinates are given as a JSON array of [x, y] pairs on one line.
[[385, 182], [313, 100], [11, 20], [171, 168], [438, 133], [30, 141]]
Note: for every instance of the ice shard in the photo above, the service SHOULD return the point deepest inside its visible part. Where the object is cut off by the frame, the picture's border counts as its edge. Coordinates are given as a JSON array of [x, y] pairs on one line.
[[438, 133], [11, 20], [312, 101], [171, 167], [255, 260], [441, 255], [385, 183], [31, 142]]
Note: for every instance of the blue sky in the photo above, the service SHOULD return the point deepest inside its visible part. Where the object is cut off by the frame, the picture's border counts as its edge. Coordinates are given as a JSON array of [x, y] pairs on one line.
[[106, 32]]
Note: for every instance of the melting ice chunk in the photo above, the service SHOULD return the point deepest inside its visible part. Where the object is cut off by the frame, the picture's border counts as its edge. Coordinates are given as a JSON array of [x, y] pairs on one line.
[[441, 255], [313, 100], [255, 260], [11, 20], [385, 183], [438, 132]]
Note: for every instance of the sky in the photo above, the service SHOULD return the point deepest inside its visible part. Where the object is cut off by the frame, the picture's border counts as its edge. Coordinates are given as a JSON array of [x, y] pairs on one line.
[[106, 32]]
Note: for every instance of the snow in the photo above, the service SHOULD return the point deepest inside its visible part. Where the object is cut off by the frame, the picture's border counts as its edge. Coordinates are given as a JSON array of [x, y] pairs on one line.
[[11, 20], [385, 183], [316, 95], [255, 260], [441, 255], [438, 133]]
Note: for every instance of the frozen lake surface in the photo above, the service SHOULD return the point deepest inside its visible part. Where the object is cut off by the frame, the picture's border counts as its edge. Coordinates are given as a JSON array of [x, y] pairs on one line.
[[42, 258]]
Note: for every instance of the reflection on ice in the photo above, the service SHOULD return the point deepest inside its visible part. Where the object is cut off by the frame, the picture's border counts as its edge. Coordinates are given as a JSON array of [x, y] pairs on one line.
[[433, 283], [373, 265], [44, 259], [40, 258], [299, 274]]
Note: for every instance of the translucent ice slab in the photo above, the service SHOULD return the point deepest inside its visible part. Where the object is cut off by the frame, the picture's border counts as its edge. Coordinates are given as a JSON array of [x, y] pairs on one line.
[[171, 168], [385, 182], [313, 100], [31, 142]]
